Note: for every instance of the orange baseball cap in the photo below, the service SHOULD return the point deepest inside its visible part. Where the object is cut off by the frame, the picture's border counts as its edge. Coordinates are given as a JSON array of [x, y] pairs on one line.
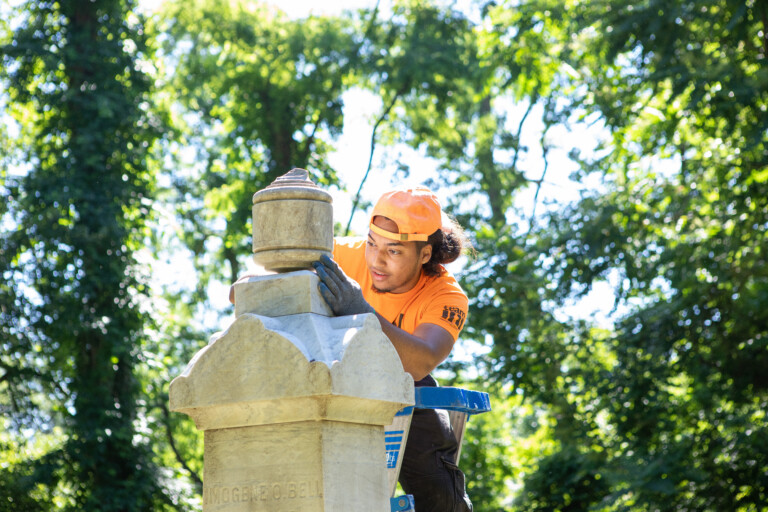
[[416, 211]]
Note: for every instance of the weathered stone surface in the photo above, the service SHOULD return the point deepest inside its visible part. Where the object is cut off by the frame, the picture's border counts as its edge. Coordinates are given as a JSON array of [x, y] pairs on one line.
[[292, 223], [294, 368], [326, 466], [293, 410], [300, 238], [275, 295]]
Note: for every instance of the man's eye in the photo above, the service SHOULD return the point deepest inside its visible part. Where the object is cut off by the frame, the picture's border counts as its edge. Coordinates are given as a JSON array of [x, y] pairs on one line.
[[394, 252]]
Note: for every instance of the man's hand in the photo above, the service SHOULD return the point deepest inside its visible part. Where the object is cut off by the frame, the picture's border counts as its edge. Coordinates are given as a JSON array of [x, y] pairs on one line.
[[342, 294]]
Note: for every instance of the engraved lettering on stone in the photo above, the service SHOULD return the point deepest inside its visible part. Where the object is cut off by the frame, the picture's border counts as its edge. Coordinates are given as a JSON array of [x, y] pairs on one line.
[[269, 492]]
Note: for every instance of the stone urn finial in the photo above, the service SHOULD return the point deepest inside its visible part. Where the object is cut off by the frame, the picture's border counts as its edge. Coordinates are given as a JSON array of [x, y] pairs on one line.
[[292, 223]]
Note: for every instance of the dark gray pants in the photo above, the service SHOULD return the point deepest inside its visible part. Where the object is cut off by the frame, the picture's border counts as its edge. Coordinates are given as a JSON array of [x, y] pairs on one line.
[[429, 471]]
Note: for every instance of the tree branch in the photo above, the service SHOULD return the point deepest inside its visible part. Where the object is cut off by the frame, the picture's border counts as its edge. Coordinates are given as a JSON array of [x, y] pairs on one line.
[[528, 110], [540, 181], [310, 138], [764, 16], [374, 15], [169, 433], [231, 257], [382, 117]]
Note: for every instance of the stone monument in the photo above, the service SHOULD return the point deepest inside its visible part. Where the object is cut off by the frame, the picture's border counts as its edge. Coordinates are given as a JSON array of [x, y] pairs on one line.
[[293, 401]]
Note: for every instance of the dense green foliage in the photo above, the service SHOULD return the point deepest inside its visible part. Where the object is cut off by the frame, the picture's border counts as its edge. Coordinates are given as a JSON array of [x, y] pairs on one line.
[[681, 228], [255, 95], [75, 218], [110, 118]]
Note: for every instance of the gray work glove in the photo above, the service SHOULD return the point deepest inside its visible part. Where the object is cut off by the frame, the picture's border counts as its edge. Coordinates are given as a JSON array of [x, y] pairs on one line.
[[342, 293]]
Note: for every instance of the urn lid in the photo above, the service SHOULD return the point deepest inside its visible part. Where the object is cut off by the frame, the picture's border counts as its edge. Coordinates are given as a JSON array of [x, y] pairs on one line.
[[295, 184]]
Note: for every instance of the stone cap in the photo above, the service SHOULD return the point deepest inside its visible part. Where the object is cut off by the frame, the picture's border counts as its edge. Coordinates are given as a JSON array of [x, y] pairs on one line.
[[295, 184], [295, 368]]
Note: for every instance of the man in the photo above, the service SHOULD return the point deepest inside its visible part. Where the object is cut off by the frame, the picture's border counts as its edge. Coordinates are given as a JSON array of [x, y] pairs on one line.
[[398, 274]]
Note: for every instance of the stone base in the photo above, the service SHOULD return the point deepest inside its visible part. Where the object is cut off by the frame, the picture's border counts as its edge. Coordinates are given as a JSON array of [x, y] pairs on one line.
[[306, 466], [294, 410], [279, 295]]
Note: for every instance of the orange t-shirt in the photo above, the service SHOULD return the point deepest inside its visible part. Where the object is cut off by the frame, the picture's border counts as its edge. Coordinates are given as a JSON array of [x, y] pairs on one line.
[[435, 300]]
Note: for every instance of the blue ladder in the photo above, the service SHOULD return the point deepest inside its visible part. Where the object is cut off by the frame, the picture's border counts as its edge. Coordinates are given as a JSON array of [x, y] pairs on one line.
[[460, 404]]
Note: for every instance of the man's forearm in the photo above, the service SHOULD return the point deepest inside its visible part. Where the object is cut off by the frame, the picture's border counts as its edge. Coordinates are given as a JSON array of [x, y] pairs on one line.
[[422, 351]]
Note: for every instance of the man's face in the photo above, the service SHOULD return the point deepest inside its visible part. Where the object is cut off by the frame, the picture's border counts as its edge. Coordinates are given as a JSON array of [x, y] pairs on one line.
[[395, 267]]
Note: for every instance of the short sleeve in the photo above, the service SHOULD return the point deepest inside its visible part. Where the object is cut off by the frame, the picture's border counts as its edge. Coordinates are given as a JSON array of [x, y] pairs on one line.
[[448, 310]]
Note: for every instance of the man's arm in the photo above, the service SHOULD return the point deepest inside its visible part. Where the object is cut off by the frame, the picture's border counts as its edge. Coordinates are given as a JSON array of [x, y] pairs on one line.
[[421, 351]]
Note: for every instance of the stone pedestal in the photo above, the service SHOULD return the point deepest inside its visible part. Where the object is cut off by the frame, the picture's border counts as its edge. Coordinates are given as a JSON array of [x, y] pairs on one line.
[[293, 405], [327, 466]]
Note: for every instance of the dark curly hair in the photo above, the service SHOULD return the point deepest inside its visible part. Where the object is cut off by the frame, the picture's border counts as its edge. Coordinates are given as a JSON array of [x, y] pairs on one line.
[[447, 244]]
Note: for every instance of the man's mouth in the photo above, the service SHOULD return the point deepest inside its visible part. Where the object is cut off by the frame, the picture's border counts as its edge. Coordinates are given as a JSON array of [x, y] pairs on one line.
[[378, 276]]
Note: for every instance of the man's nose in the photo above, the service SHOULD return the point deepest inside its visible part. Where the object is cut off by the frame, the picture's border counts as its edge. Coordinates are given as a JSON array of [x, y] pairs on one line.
[[380, 257]]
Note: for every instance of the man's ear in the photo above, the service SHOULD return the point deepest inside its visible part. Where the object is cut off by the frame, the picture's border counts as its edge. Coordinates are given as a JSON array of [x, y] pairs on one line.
[[426, 253]]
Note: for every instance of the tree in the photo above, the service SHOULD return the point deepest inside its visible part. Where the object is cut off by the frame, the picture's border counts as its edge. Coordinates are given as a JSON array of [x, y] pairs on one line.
[[258, 95], [76, 193], [681, 228], [422, 54]]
